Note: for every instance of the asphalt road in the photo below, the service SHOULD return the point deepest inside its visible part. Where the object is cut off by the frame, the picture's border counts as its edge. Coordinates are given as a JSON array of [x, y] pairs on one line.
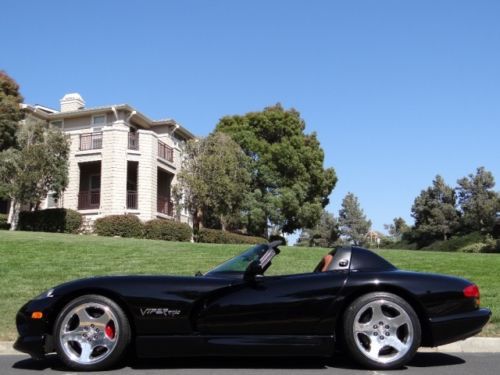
[[423, 363]]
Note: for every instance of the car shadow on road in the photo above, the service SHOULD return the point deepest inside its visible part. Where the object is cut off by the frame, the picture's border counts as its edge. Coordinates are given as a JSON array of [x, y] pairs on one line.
[[338, 361]]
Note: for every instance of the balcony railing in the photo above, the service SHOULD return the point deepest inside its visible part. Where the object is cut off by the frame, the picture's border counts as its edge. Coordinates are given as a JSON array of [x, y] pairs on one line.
[[88, 200], [132, 200], [133, 141], [165, 152], [165, 206], [90, 141]]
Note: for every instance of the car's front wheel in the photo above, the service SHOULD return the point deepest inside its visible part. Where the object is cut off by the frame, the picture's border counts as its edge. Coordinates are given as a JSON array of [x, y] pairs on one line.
[[91, 333], [382, 331]]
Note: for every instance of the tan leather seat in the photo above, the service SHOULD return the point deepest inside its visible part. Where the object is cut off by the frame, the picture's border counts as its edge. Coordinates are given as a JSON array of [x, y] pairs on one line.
[[327, 260]]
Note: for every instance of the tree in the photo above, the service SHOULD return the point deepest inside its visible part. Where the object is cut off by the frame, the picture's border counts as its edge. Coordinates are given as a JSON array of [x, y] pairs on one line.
[[10, 111], [435, 213], [353, 223], [38, 166], [214, 178], [324, 234], [478, 201], [289, 187], [397, 228]]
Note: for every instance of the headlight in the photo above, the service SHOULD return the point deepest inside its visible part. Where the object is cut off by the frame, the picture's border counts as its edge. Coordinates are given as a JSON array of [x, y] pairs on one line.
[[47, 294]]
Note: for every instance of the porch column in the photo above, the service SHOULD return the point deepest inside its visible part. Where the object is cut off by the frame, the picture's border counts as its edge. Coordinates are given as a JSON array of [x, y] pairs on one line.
[[147, 175], [114, 169]]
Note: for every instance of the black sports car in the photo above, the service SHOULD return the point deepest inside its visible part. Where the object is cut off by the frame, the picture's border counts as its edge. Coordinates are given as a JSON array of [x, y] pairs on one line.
[[354, 300]]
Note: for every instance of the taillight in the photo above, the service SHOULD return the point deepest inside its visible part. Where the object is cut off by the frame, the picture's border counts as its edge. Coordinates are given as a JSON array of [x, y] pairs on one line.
[[472, 291]]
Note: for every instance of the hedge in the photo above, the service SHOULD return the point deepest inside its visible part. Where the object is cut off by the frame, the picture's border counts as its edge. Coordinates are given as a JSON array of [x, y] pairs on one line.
[[59, 220], [3, 222], [167, 230], [119, 225], [219, 236]]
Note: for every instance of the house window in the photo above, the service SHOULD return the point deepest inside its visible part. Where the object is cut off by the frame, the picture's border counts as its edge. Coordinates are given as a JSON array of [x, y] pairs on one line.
[[98, 121], [57, 124], [51, 200]]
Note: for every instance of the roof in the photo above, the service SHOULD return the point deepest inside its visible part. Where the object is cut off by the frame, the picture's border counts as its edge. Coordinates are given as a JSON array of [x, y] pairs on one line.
[[50, 115]]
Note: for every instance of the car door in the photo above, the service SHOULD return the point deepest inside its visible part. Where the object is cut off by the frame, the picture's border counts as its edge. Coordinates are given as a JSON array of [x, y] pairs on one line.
[[272, 305]]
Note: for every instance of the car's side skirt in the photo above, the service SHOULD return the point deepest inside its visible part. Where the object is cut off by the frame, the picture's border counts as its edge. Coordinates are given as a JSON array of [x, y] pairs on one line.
[[254, 346]]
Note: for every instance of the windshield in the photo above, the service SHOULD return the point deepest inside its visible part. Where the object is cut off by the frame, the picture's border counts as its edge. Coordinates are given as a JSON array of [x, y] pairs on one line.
[[240, 262]]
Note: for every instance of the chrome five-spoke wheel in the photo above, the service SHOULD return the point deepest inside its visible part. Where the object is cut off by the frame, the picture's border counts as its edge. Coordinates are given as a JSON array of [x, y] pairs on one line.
[[383, 330], [89, 333], [92, 333]]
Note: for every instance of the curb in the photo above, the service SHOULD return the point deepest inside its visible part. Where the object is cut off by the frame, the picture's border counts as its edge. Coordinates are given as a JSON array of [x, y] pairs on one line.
[[471, 345]]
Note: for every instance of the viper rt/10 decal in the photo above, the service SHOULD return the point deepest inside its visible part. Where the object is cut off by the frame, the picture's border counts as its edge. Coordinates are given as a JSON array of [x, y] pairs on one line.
[[160, 312]]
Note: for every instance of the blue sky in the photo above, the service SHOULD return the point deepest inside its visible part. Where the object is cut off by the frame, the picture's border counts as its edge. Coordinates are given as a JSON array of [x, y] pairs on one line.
[[398, 91]]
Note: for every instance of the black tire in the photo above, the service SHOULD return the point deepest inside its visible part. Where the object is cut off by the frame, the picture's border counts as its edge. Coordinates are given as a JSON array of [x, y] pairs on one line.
[[121, 341], [359, 343]]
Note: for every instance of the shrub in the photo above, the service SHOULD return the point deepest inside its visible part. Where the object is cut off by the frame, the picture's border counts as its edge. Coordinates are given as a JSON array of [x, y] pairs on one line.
[[3, 222], [59, 220], [473, 248], [167, 230], [119, 225], [457, 242], [218, 236]]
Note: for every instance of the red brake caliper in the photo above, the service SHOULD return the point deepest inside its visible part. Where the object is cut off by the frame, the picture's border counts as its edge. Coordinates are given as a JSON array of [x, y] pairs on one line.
[[110, 330]]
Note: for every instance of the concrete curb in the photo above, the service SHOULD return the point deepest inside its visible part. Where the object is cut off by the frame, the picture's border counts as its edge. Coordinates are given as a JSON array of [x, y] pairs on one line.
[[471, 345]]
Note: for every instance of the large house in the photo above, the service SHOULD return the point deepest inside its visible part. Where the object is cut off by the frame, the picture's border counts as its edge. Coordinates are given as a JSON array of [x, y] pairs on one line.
[[120, 161]]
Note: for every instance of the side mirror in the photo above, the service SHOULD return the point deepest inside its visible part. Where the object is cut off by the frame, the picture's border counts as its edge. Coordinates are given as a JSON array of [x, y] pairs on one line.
[[253, 269]]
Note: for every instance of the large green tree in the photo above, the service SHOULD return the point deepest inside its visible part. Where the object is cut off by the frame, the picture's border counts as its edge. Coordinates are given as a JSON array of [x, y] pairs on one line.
[[10, 111], [435, 212], [353, 223], [290, 186], [478, 201], [397, 229], [214, 179], [38, 165], [324, 234]]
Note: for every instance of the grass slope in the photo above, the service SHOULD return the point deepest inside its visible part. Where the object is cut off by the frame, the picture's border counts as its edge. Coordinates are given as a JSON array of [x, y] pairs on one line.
[[33, 262]]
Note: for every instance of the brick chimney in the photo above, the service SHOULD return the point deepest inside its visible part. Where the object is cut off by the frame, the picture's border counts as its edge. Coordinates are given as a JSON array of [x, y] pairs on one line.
[[72, 102]]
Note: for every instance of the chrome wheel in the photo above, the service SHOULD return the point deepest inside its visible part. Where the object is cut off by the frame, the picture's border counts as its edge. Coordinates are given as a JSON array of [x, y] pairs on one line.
[[383, 331], [89, 333]]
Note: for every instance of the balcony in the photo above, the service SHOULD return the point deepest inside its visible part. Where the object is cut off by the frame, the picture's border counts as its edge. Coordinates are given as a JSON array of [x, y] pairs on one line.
[[89, 200], [165, 206], [132, 200], [91, 141], [133, 141], [165, 152]]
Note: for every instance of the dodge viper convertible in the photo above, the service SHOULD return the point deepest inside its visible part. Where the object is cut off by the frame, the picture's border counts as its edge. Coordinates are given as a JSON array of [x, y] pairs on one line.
[[354, 301]]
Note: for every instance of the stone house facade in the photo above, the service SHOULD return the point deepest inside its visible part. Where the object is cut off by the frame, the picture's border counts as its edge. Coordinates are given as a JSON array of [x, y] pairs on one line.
[[120, 162]]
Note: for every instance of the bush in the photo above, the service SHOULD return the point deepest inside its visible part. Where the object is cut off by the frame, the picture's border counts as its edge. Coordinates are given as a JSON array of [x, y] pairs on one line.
[[119, 225], [219, 236], [3, 222], [59, 220], [167, 230], [457, 242], [400, 245]]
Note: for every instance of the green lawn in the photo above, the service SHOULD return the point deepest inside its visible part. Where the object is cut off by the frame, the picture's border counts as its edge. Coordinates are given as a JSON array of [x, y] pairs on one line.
[[33, 262]]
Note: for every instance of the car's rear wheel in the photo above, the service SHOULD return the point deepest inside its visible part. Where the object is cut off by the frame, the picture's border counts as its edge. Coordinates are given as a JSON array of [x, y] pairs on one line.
[[91, 333], [381, 331]]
